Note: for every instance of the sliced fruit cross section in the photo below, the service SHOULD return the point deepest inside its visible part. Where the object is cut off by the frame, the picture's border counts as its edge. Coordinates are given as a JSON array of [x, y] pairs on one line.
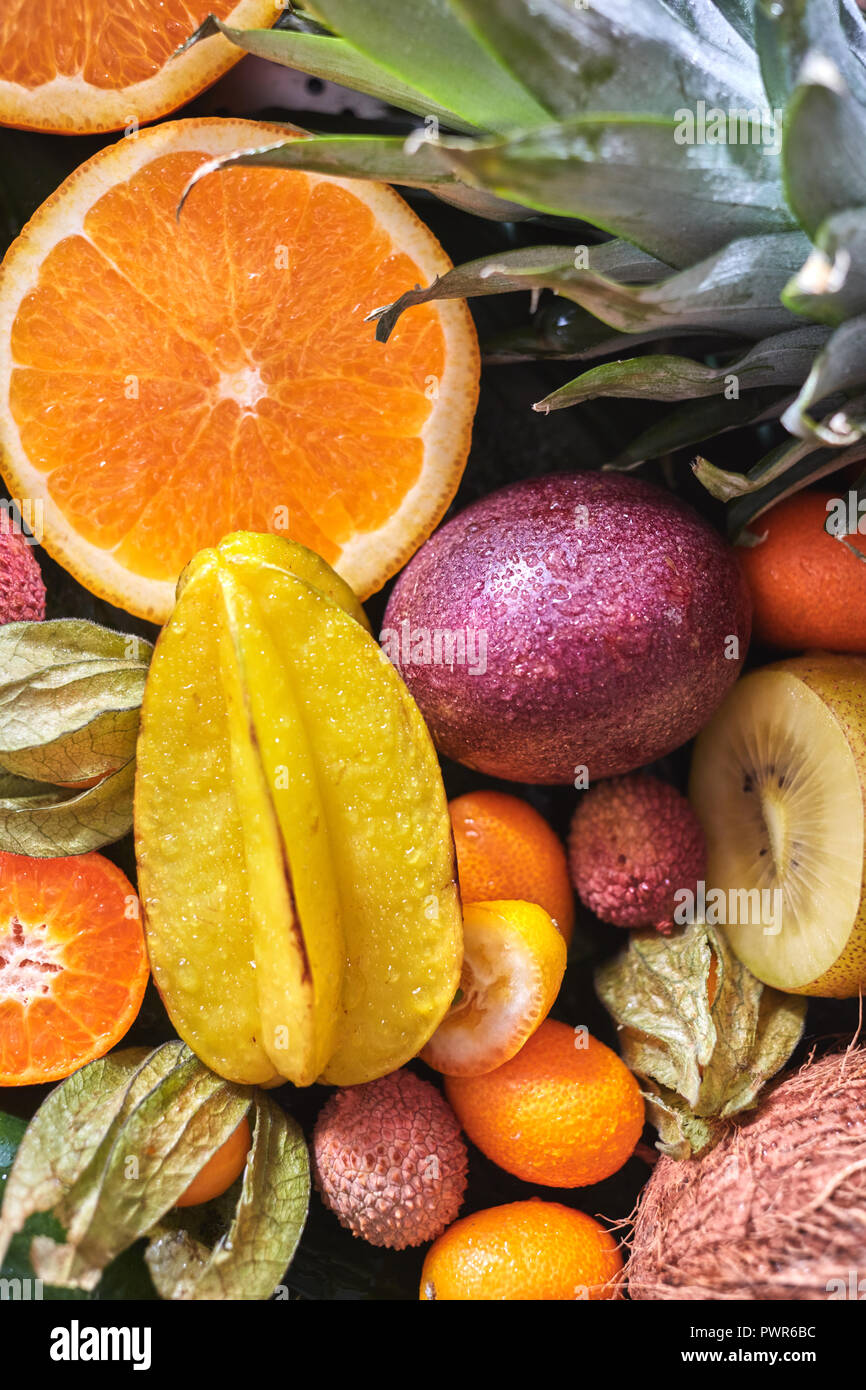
[[282, 759], [166, 380], [778, 781]]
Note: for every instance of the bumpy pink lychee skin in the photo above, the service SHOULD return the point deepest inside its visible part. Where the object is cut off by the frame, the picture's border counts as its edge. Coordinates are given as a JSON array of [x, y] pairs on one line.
[[634, 841], [22, 592], [389, 1160]]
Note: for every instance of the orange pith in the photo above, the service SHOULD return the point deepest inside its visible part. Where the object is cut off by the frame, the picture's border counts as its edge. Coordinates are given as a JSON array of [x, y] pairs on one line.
[[88, 65], [513, 963], [564, 1112], [525, 1250], [169, 382], [73, 964], [221, 1169], [505, 849]]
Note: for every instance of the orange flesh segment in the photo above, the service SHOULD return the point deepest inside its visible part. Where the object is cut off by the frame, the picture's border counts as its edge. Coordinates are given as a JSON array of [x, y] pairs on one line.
[[108, 43], [194, 378], [73, 965]]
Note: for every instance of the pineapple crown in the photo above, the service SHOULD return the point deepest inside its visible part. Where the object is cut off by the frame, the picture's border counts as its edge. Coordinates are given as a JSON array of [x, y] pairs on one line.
[[717, 144]]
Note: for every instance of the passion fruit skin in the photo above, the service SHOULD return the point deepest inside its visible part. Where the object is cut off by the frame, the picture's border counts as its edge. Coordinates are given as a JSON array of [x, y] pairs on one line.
[[604, 621]]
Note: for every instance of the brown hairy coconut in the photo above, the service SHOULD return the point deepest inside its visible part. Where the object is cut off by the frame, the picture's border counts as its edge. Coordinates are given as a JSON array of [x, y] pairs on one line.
[[389, 1160], [777, 1210]]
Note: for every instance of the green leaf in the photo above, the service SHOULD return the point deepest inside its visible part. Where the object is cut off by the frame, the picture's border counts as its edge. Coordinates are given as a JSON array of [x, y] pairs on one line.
[[822, 154], [705, 1055], [331, 59], [791, 468], [840, 367], [69, 822], [248, 1261], [626, 173], [62, 1138], [831, 284], [384, 158], [70, 695], [620, 55], [696, 421], [507, 273], [783, 360], [786, 31], [432, 51]]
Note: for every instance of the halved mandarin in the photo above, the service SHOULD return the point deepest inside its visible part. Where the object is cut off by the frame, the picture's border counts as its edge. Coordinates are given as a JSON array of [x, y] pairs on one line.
[[73, 66], [73, 964], [513, 963], [166, 381]]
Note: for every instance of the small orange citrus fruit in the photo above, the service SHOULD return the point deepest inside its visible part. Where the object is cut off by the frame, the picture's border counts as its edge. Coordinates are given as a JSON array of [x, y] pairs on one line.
[[505, 849], [565, 1112], [808, 589], [513, 964], [526, 1250], [221, 1169], [73, 964]]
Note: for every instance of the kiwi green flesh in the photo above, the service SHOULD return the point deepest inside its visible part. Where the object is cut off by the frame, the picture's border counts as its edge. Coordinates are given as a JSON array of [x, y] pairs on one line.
[[776, 787]]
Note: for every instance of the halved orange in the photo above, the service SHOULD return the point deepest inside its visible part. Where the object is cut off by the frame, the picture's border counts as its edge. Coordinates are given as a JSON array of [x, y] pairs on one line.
[[73, 66], [513, 962], [73, 964], [164, 382]]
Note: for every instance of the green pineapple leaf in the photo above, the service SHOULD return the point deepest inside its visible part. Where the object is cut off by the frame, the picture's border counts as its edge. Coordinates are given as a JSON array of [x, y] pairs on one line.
[[334, 60], [508, 272], [841, 367], [699, 419], [377, 157], [430, 49], [825, 134], [621, 55], [626, 173], [831, 284], [792, 467], [783, 360], [786, 31]]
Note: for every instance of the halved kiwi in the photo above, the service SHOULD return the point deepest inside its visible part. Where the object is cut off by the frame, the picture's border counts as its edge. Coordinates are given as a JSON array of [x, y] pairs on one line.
[[779, 783]]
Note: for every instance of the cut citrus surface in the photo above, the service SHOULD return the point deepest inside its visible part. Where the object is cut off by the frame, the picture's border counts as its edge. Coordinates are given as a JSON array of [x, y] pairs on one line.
[[513, 964], [73, 66], [165, 382], [73, 965]]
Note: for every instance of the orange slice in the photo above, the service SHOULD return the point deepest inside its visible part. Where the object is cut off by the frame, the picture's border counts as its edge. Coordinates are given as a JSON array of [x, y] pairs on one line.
[[74, 66], [513, 964], [165, 382], [73, 964]]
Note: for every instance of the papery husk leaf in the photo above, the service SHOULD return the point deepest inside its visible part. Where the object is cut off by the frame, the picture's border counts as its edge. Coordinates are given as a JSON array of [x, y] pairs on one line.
[[249, 1258], [156, 1145], [61, 822], [705, 1061]]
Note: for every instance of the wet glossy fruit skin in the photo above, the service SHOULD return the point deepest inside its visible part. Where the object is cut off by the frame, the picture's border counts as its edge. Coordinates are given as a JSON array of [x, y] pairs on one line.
[[505, 849], [221, 1169], [565, 1112], [525, 1250], [613, 620], [292, 832], [808, 589]]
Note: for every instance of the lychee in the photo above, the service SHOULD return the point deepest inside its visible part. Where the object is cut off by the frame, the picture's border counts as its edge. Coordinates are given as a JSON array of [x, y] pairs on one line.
[[634, 842], [22, 592], [389, 1160]]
